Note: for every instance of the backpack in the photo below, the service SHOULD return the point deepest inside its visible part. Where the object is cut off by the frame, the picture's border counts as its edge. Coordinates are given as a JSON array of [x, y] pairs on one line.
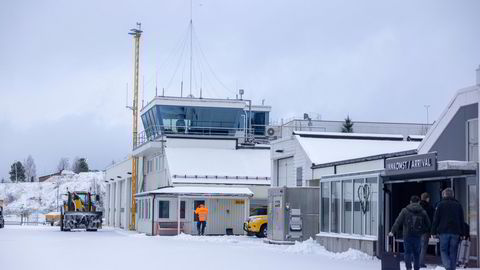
[[415, 223]]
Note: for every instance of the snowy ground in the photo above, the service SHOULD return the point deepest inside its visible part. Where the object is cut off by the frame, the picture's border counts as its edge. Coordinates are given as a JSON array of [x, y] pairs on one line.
[[45, 247]]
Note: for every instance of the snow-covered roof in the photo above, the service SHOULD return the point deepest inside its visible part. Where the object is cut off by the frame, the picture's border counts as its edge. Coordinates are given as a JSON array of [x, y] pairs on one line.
[[202, 191], [365, 136], [214, 162], [222, 181], [328, 150]]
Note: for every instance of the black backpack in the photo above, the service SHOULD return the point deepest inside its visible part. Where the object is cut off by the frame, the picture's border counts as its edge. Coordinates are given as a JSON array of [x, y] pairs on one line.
[[415, 223]]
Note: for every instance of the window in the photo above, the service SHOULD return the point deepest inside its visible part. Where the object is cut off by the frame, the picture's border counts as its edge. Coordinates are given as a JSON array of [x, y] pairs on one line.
[[140, 208], [472, 134], [350, 206], [182, 209], [357, 208], [347, 206], [371, 218], [197, 120], [335, 209], [325, 206], [299, 176], [163, 209]]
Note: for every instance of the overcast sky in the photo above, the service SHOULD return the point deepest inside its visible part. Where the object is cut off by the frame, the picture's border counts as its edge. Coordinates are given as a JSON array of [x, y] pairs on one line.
[[64, 65]]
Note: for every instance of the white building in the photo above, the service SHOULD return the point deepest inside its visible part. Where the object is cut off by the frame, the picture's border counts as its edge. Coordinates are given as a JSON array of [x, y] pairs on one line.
[[190, 145], [294, 156]]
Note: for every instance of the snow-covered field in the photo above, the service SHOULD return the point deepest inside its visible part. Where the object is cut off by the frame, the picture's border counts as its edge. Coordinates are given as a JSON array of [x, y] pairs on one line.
[[47, 248], [41, 198], [44, 247]]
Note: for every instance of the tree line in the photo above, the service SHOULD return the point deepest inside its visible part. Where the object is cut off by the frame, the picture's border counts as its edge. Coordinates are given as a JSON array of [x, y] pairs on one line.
[[26, 171]]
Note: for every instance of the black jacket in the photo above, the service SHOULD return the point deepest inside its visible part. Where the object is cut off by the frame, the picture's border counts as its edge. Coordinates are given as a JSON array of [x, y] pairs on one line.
[[428, 208], [448, 218], [401, 221]]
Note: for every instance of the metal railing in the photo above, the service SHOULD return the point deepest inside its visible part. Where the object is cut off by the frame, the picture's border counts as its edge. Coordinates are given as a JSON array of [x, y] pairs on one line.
[[186, 176], [156, 133]]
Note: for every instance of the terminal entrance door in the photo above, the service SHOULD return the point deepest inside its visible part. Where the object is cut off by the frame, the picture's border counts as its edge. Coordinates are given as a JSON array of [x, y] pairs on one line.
[[397, 195]]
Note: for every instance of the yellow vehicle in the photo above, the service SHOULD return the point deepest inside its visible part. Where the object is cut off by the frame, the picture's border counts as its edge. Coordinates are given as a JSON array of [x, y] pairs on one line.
[[257, 222], [52, 218]]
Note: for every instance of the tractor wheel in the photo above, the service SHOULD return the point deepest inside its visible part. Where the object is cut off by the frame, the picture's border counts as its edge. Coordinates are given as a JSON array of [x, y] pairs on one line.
[[263, 231]]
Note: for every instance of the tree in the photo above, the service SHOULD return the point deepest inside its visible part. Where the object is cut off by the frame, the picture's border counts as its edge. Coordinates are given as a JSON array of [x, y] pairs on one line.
[[347, 125], [30, 169], [17, 172], [80, 165], [63, 164]]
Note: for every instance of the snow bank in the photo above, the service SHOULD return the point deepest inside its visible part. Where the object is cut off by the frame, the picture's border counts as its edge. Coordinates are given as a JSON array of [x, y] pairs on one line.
[[311, 247], [308, 247], [41, 197]]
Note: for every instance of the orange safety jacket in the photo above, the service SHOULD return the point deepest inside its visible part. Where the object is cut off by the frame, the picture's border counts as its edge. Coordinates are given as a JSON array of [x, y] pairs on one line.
[[202, 213]]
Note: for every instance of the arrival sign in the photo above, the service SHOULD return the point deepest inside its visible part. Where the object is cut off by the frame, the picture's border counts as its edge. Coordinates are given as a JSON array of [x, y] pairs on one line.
[[411, 164]]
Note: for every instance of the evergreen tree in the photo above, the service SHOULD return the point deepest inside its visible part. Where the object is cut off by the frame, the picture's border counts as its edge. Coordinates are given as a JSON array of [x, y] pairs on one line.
[[30, 169], [80, 165], [347, 125], [17, 172]]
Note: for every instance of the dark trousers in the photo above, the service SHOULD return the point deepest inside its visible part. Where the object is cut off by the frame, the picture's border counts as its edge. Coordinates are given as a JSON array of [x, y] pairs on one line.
[[201, 227], [449, 249], [412, 246], [425, 238]]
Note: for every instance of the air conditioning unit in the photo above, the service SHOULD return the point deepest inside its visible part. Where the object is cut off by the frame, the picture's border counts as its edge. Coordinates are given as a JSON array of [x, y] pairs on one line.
[[273, 132]]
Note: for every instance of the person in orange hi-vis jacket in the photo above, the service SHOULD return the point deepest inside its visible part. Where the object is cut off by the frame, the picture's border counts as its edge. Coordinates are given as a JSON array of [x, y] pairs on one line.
[[202, 213]]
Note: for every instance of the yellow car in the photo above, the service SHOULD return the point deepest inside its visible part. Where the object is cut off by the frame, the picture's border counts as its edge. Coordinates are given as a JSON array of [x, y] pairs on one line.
[[257, 223]]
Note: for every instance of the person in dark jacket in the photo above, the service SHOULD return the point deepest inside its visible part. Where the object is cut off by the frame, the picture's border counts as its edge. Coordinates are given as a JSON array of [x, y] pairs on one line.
[[448, 224], [425, 203], [414, 222]]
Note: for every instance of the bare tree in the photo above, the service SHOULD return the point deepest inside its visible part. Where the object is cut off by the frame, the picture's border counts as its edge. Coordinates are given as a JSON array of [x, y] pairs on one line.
[[75, 162], [63, 164], [30, 169]]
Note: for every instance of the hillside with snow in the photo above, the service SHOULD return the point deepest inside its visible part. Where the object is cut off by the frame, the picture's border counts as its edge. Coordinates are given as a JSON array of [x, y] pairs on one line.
[[42, 196]]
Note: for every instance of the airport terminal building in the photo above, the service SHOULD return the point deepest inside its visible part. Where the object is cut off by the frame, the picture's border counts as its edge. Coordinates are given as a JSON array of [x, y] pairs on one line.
[[360, 196]]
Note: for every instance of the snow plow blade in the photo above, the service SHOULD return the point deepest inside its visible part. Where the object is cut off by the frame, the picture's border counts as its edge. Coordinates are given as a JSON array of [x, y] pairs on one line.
[[90, 221]]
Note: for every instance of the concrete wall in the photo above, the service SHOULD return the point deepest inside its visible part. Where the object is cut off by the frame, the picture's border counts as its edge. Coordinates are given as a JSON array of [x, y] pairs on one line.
[[339, 244]]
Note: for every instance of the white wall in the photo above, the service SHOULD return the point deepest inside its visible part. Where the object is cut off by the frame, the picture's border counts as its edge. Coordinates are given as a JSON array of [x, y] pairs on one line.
[[201, 143], [285, 148]]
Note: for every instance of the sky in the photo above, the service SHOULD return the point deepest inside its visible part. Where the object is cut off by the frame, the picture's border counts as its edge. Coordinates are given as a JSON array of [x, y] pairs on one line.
[[65, 65]]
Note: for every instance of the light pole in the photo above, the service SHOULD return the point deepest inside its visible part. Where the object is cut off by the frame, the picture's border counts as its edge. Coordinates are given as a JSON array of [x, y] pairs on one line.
[[426, 108]]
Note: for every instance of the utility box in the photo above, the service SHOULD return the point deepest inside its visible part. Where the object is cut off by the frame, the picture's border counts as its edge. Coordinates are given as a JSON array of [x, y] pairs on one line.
[[293, 214]]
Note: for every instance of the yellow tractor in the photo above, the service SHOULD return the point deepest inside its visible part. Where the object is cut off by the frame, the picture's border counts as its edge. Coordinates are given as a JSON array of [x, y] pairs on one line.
[[80, 211]]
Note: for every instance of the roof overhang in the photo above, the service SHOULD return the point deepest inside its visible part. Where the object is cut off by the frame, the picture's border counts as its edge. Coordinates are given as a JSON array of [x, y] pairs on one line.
[[445, 169], [192, 191]]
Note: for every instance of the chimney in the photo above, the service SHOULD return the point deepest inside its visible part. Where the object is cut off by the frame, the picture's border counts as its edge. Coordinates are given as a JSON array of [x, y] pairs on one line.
[[478, 75]]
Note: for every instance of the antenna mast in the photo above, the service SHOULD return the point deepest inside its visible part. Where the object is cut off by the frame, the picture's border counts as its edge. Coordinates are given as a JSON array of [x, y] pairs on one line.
[[191, 44], [136, 33]]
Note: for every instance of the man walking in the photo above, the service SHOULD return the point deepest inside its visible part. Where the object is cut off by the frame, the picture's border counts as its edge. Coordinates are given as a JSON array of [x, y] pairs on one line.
[[425, 203], [448, 224], [202, 213], [414, 222]]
